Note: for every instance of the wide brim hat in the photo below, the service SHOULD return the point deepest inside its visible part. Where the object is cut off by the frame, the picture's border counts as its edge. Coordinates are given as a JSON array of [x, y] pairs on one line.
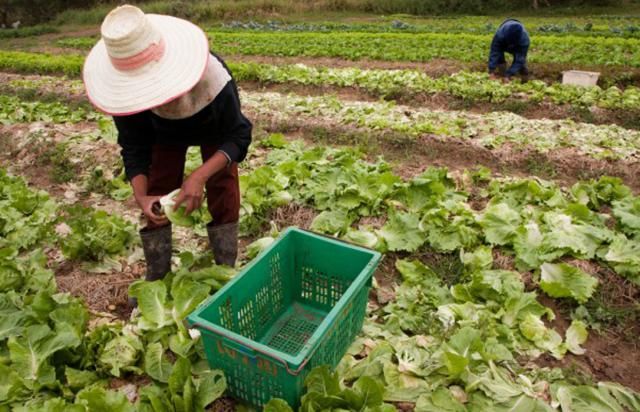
[[143, 61]]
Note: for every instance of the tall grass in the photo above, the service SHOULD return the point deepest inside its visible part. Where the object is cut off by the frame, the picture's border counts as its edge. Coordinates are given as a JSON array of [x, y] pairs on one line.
[[206, 10]]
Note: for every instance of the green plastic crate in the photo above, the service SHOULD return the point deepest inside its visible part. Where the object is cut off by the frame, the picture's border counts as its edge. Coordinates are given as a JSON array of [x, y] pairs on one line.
[[298, 305]]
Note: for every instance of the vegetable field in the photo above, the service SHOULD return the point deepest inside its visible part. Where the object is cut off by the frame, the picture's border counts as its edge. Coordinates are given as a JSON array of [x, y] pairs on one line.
[[508, 215]]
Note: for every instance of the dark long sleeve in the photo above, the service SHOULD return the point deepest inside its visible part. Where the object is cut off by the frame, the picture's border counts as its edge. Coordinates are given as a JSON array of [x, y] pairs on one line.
[[519, 60], [234, 128], [496, 54], [135, 137]]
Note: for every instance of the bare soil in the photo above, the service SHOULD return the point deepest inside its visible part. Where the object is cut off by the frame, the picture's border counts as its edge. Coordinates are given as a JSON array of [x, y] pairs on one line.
[[293, 215], [437, 67], [608, 356], [102, 292], [612, 354]]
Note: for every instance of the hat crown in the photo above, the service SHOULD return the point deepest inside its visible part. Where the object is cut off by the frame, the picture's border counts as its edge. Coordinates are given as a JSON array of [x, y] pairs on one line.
[[127, 31]]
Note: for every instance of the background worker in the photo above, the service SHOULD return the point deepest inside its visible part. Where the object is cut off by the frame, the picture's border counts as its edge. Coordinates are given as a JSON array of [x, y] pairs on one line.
[[511, 37]]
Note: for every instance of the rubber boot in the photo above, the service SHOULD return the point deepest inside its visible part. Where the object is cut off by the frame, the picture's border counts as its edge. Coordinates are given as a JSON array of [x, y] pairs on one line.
[[524, 75], [156, 244], [224, 243]]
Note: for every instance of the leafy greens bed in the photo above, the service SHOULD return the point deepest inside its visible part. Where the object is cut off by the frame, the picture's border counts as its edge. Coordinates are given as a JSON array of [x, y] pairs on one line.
[[613, 26], [412, 46], [455, 346], [471, 86], [490, 130], [438, 344], [53, 358]]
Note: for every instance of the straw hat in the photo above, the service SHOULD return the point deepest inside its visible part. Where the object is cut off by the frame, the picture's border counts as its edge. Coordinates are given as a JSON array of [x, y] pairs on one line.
[[143, 61]]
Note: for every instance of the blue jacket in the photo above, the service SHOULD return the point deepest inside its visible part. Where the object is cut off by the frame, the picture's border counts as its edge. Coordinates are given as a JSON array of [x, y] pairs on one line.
[[511, 38]]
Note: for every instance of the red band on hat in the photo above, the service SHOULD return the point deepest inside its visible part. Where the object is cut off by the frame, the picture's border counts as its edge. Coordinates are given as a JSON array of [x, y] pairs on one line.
[[154, 52]]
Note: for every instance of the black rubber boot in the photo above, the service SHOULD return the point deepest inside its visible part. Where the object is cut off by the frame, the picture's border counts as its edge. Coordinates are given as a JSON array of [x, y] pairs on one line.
[[501, 70], [156, 244], [224, 243]]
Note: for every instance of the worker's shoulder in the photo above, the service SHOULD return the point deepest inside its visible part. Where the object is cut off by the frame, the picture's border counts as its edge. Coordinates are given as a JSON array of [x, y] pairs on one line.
[[511, 21]]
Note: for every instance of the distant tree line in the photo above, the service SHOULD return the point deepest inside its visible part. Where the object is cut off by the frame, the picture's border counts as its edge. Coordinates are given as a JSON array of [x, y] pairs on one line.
[[30, 12], [428, 7]]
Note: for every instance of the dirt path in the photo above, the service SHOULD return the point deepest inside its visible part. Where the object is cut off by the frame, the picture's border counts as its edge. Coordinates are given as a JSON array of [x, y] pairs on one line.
[[609, 356]]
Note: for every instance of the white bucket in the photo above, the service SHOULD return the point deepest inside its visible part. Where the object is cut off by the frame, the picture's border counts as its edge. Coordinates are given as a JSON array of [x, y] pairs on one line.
[[580, 78]]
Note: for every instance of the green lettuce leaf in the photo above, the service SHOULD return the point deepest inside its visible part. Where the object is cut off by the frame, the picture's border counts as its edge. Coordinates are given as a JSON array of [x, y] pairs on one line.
[[99, 399], [624, 255], [121, 354], [362, 237], [31, 354], [576, 335], [156, 364], [500, 223], [277, 405], [534, 329], [627, 211], [562, 280], [402, 232], [152, 303], [332, 222], [257, 246], [179, 216]]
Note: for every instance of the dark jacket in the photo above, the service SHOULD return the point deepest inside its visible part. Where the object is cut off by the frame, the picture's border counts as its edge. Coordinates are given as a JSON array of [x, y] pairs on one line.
[[511, 37], [221, 124]]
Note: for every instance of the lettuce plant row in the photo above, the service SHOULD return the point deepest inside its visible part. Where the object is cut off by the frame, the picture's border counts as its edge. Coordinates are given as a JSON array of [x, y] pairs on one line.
[[489, 130], [592, 26], [416, 47], [471, 86], [425, 47]]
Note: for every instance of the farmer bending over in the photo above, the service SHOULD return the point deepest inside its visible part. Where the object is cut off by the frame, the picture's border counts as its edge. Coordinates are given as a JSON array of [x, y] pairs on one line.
[[511, 37], [155, 75]]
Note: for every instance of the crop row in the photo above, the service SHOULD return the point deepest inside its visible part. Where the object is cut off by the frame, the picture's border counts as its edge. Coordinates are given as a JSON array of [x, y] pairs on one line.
[[424, 47], [489, 130], [420, 47], [39, 63], [471, 86], [385, 83], [629, 27]]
